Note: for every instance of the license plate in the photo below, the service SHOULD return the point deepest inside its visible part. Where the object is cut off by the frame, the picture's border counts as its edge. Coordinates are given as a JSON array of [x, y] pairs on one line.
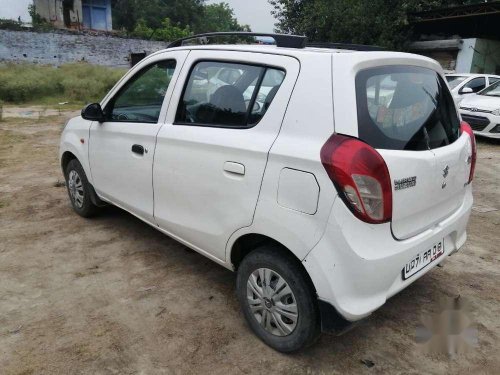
[[423, 259]]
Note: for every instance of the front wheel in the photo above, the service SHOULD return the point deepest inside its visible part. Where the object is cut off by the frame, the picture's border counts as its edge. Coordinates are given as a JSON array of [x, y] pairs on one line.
[[79, 189], [277, 299]]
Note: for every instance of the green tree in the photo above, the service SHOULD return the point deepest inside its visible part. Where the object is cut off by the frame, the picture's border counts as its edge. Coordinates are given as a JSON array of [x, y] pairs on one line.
[[377, 22], [127, 13], [167, 31], [220, 17]]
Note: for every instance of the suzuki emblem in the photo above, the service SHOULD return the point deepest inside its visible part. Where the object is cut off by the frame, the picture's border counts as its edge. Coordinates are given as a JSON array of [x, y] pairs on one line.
[[445, 171]]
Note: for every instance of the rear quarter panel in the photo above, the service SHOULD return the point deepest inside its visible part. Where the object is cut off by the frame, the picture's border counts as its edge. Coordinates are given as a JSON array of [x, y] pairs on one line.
[[307, 125]]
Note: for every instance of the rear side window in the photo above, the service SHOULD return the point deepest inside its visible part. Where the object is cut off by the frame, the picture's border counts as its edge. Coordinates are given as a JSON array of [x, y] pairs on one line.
[[405, 108], [224, 94]]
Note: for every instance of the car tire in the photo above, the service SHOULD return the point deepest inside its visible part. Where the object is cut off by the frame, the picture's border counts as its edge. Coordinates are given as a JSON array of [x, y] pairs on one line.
[[271, 314], [79, 189]]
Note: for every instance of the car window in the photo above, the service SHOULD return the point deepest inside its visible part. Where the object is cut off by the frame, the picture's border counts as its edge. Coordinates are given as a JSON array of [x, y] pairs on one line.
[[405, 108], [476, 84], [141, 98], [492, 90], [454, 81], [227, 94], [493, 80]]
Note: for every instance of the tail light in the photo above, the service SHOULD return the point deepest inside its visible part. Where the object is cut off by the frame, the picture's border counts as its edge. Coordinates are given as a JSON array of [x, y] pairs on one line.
[[361, 177], [465, 128]]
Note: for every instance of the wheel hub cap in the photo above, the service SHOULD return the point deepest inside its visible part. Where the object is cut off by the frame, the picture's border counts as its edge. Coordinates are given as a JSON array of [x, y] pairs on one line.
[[272, 302], [75, 187]]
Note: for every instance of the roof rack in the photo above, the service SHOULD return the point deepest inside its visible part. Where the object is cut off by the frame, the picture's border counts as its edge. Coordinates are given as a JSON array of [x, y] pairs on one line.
[[282, 40], [352, 47]]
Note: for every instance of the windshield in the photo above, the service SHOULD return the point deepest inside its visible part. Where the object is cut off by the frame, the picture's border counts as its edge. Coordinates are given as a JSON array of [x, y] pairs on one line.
[[405, 108], [493, 90], [454, 81]]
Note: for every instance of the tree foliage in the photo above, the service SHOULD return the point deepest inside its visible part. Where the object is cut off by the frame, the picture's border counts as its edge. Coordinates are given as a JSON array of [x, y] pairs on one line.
[[220, 17], [169, 19], [376, 22]]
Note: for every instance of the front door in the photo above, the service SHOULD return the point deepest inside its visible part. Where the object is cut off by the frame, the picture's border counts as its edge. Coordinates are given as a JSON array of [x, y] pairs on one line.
[[122, 148], [212, 152]]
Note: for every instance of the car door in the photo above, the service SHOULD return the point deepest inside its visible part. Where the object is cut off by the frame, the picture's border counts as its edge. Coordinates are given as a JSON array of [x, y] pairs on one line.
[[212, 151], [121, 149]]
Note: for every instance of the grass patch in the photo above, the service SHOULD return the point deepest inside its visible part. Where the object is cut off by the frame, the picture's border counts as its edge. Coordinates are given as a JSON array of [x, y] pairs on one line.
[[76, 83]]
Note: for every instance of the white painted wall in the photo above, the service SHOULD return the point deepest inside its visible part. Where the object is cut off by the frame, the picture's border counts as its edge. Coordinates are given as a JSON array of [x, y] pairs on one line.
[[465, 56], [12, 9]]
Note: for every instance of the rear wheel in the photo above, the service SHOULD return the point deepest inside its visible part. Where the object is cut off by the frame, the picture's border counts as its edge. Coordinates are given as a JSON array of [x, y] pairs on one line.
[[79, 189], [277, 299]]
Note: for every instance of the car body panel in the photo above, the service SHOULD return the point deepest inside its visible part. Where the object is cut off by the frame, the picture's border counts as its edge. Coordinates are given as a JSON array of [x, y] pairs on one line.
[[208, 201]]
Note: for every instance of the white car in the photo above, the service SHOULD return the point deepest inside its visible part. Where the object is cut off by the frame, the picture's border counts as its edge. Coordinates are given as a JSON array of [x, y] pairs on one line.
[[464, 84], [482, 111], [350, 181]]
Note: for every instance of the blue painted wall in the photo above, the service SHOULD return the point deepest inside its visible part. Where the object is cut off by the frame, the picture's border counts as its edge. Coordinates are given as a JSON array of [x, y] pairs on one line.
[[97, 14]]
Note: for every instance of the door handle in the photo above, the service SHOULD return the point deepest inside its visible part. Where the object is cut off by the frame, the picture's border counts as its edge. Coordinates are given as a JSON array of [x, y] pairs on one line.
[[138, 149], [234, 168]]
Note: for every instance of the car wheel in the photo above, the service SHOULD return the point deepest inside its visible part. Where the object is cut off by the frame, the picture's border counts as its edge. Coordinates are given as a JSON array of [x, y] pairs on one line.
[[278, 300], [79, 189]]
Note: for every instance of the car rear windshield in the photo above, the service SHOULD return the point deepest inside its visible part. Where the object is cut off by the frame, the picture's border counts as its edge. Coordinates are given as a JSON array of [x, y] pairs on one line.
[[405, 108], [454, 81]]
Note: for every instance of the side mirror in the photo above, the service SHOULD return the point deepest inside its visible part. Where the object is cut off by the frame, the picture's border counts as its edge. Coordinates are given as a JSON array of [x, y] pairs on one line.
[[93, 112], [466, 90]]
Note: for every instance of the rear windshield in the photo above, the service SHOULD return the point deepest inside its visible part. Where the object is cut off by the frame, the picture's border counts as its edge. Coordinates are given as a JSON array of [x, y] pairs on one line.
[[454, 81], [405, 108]]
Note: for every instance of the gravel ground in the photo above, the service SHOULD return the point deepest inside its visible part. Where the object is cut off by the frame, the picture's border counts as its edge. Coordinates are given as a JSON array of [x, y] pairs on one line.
[[113, 296]]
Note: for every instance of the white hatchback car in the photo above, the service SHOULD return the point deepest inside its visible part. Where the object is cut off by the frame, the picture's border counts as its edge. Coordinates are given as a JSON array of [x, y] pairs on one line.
[[464, 84], [482, 111], [349, 181]]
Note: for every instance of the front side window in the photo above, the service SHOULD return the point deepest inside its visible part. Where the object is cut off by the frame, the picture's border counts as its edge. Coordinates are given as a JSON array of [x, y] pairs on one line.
[[477, 84], [141, 98], [405, 108], [228, 94]]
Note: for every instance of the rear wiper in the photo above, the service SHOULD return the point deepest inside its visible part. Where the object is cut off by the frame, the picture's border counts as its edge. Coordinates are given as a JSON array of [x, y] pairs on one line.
[[427, 138]]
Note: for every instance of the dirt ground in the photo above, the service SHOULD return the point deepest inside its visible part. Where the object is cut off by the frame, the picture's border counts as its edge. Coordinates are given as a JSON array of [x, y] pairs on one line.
[[112, 295]]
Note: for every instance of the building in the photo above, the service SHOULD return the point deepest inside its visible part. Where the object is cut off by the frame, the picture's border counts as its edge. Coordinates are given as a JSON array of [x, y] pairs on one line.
[[62, 14], [464, 39]]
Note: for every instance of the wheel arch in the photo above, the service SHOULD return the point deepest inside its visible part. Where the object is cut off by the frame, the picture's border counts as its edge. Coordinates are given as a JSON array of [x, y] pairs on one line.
[[66, 157], [248, 242]]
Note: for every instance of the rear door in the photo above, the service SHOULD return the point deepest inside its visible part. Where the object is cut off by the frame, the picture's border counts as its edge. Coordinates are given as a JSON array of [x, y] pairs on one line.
[[211, 154], [407, 113]]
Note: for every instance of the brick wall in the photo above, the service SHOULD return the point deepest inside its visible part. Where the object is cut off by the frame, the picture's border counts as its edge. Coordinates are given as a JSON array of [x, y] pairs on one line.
[[57, 48]]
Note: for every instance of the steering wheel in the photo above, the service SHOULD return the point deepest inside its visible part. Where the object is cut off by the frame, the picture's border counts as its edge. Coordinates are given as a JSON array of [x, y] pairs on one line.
[[122, 117]]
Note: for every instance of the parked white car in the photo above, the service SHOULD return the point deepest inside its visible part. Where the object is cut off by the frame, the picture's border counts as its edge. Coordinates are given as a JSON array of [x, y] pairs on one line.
[[464, 84], [350, 181], [482, 111]]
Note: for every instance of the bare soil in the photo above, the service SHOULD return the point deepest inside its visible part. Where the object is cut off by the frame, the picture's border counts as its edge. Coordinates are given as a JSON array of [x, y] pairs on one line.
[[112, 295]]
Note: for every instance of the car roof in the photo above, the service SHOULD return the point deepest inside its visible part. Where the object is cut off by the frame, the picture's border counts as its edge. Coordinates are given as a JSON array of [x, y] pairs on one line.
[[293, 52], [471, 75]]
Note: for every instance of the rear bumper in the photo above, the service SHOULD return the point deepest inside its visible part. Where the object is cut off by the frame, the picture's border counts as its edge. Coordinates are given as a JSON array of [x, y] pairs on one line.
[[356, 267]]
